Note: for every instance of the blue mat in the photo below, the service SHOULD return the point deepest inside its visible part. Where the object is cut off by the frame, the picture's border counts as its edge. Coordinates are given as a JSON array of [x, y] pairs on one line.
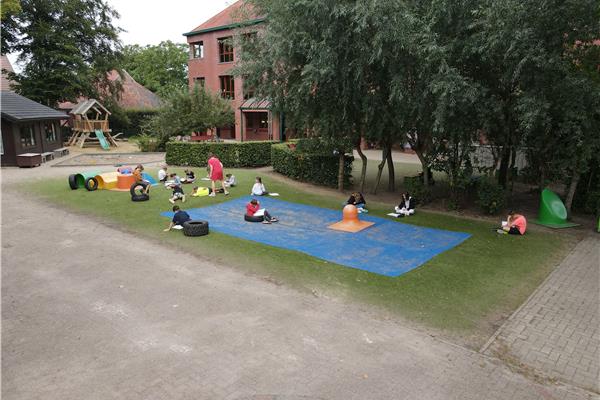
[[388, 248]]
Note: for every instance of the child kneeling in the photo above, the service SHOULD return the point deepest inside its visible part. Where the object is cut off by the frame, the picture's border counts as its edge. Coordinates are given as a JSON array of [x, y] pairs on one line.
[[254, 211]]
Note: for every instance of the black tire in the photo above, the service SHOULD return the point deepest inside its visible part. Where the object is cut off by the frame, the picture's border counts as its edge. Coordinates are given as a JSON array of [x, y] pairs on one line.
[[195, 228], [140, 197], [73, 182], [252, 218], [91, 184], [135, 186]]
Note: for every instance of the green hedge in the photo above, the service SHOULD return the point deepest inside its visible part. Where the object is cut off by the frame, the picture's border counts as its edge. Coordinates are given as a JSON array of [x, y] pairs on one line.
[[319, 169], [232, 155]]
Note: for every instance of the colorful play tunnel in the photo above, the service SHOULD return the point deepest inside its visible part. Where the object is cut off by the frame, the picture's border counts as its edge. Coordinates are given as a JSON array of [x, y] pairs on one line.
[[107, 180], [84, 176], [552, 212]]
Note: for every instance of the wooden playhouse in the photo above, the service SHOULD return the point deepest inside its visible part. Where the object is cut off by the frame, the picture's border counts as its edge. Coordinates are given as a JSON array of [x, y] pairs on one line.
[[89, 122]]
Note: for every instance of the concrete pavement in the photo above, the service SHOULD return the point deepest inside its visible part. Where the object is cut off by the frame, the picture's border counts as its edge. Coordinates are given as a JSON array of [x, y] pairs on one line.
[[91, 312]]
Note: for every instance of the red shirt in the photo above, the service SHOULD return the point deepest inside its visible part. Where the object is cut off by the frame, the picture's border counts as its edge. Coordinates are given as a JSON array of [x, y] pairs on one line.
[[217, 169], [251, 209], [521, 223]]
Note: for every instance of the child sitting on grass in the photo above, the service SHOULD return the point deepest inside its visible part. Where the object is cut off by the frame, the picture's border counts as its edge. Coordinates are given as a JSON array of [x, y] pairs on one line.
[[259, 188], [230, 180], [178, 219], [189, 176], [253, 210], [358, 200], [515, 224], [406, 206]]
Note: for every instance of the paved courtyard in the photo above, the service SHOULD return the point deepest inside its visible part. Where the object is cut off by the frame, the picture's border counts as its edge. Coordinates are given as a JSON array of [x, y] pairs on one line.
[[557, 331], [91, 312]]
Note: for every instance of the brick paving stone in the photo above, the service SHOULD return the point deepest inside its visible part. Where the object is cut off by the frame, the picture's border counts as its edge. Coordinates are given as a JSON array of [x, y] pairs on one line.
[[563, 343]]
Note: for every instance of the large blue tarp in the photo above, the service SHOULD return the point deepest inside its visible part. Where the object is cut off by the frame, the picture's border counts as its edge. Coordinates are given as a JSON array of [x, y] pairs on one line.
[[388, 248]]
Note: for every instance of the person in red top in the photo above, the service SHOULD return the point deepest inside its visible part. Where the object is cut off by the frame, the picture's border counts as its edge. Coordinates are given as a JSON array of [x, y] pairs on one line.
[[215, 173], [253, 210], [515, 224]]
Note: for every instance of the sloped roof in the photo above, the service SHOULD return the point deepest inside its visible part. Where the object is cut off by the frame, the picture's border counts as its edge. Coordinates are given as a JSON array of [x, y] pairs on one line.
[[255, 104], [5, 65], [134, 95], [228, 18], [15, 107], [84, 106]]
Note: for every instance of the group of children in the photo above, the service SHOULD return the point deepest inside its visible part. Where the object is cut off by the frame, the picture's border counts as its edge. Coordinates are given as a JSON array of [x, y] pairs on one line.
[[405, 208]]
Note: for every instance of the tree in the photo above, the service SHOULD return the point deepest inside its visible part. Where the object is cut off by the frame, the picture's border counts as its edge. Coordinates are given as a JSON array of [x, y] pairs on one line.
[[189, 111], [161, 68], [67, 47], [305, 63]]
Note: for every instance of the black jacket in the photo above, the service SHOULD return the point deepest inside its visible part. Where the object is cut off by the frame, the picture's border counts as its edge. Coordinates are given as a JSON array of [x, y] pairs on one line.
[[411, 204]]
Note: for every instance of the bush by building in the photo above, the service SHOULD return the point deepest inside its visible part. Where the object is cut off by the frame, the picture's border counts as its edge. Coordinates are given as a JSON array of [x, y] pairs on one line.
[[299, 160], [232, 155]]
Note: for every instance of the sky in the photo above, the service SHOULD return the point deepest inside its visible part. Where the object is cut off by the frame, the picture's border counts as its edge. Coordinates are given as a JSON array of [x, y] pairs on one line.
[[152, 21]]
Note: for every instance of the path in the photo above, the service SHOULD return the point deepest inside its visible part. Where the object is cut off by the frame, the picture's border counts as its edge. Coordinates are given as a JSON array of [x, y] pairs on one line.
[[91, 312], [557, 331]]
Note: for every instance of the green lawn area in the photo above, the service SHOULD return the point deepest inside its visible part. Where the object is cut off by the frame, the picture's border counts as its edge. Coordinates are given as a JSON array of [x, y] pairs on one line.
[[462, 292]]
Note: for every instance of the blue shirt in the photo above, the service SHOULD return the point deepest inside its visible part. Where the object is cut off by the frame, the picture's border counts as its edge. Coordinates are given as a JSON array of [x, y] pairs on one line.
[[180, 217]]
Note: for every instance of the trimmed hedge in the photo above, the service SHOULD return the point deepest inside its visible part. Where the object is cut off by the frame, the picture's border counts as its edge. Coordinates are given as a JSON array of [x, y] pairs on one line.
[[319, 169], [232, 155]]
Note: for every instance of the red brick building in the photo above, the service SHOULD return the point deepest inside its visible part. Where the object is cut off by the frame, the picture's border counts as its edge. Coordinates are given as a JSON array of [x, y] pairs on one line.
[[212, 57]]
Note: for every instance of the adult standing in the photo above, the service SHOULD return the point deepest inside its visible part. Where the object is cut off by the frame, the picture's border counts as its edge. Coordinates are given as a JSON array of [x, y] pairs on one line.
[[215, 174]]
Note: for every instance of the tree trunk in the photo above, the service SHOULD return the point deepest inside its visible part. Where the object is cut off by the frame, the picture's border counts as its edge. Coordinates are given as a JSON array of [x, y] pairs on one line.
[[363, 171], [342, 159], [424, 168], [504, 164], [391, 172], [542, 183], [571, 192], [380, 170]]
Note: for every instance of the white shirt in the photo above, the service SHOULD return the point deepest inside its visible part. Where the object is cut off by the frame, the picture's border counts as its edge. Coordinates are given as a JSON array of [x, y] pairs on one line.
[[162, 174], [258, 189]]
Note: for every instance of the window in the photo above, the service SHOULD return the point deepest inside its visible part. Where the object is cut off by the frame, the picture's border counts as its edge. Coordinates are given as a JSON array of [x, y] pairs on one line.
[[197, 50], [227, 87], [50, 131], [225, 49], [27, 136], [199, 81], [248, 91]]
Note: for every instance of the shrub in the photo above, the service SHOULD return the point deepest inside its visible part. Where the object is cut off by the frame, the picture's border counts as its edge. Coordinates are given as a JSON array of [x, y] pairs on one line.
[[304, 166], [232, 155], [148, 143], [417, 189], [491, 197], [130, 122]]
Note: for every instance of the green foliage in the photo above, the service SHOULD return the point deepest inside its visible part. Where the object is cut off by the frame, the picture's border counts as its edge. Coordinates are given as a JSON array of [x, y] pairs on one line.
[[149, 143], [417, 189], [232, 155], [67, 48], [190, 111], [161, 68], [317, 168], [491, 197], [131, 121]]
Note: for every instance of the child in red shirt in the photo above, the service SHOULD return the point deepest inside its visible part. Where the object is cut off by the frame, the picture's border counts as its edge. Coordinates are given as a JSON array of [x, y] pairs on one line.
[[253, 210]]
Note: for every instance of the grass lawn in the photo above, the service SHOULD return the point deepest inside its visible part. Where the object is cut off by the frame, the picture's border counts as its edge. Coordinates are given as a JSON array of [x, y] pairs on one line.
[[463, 292]]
